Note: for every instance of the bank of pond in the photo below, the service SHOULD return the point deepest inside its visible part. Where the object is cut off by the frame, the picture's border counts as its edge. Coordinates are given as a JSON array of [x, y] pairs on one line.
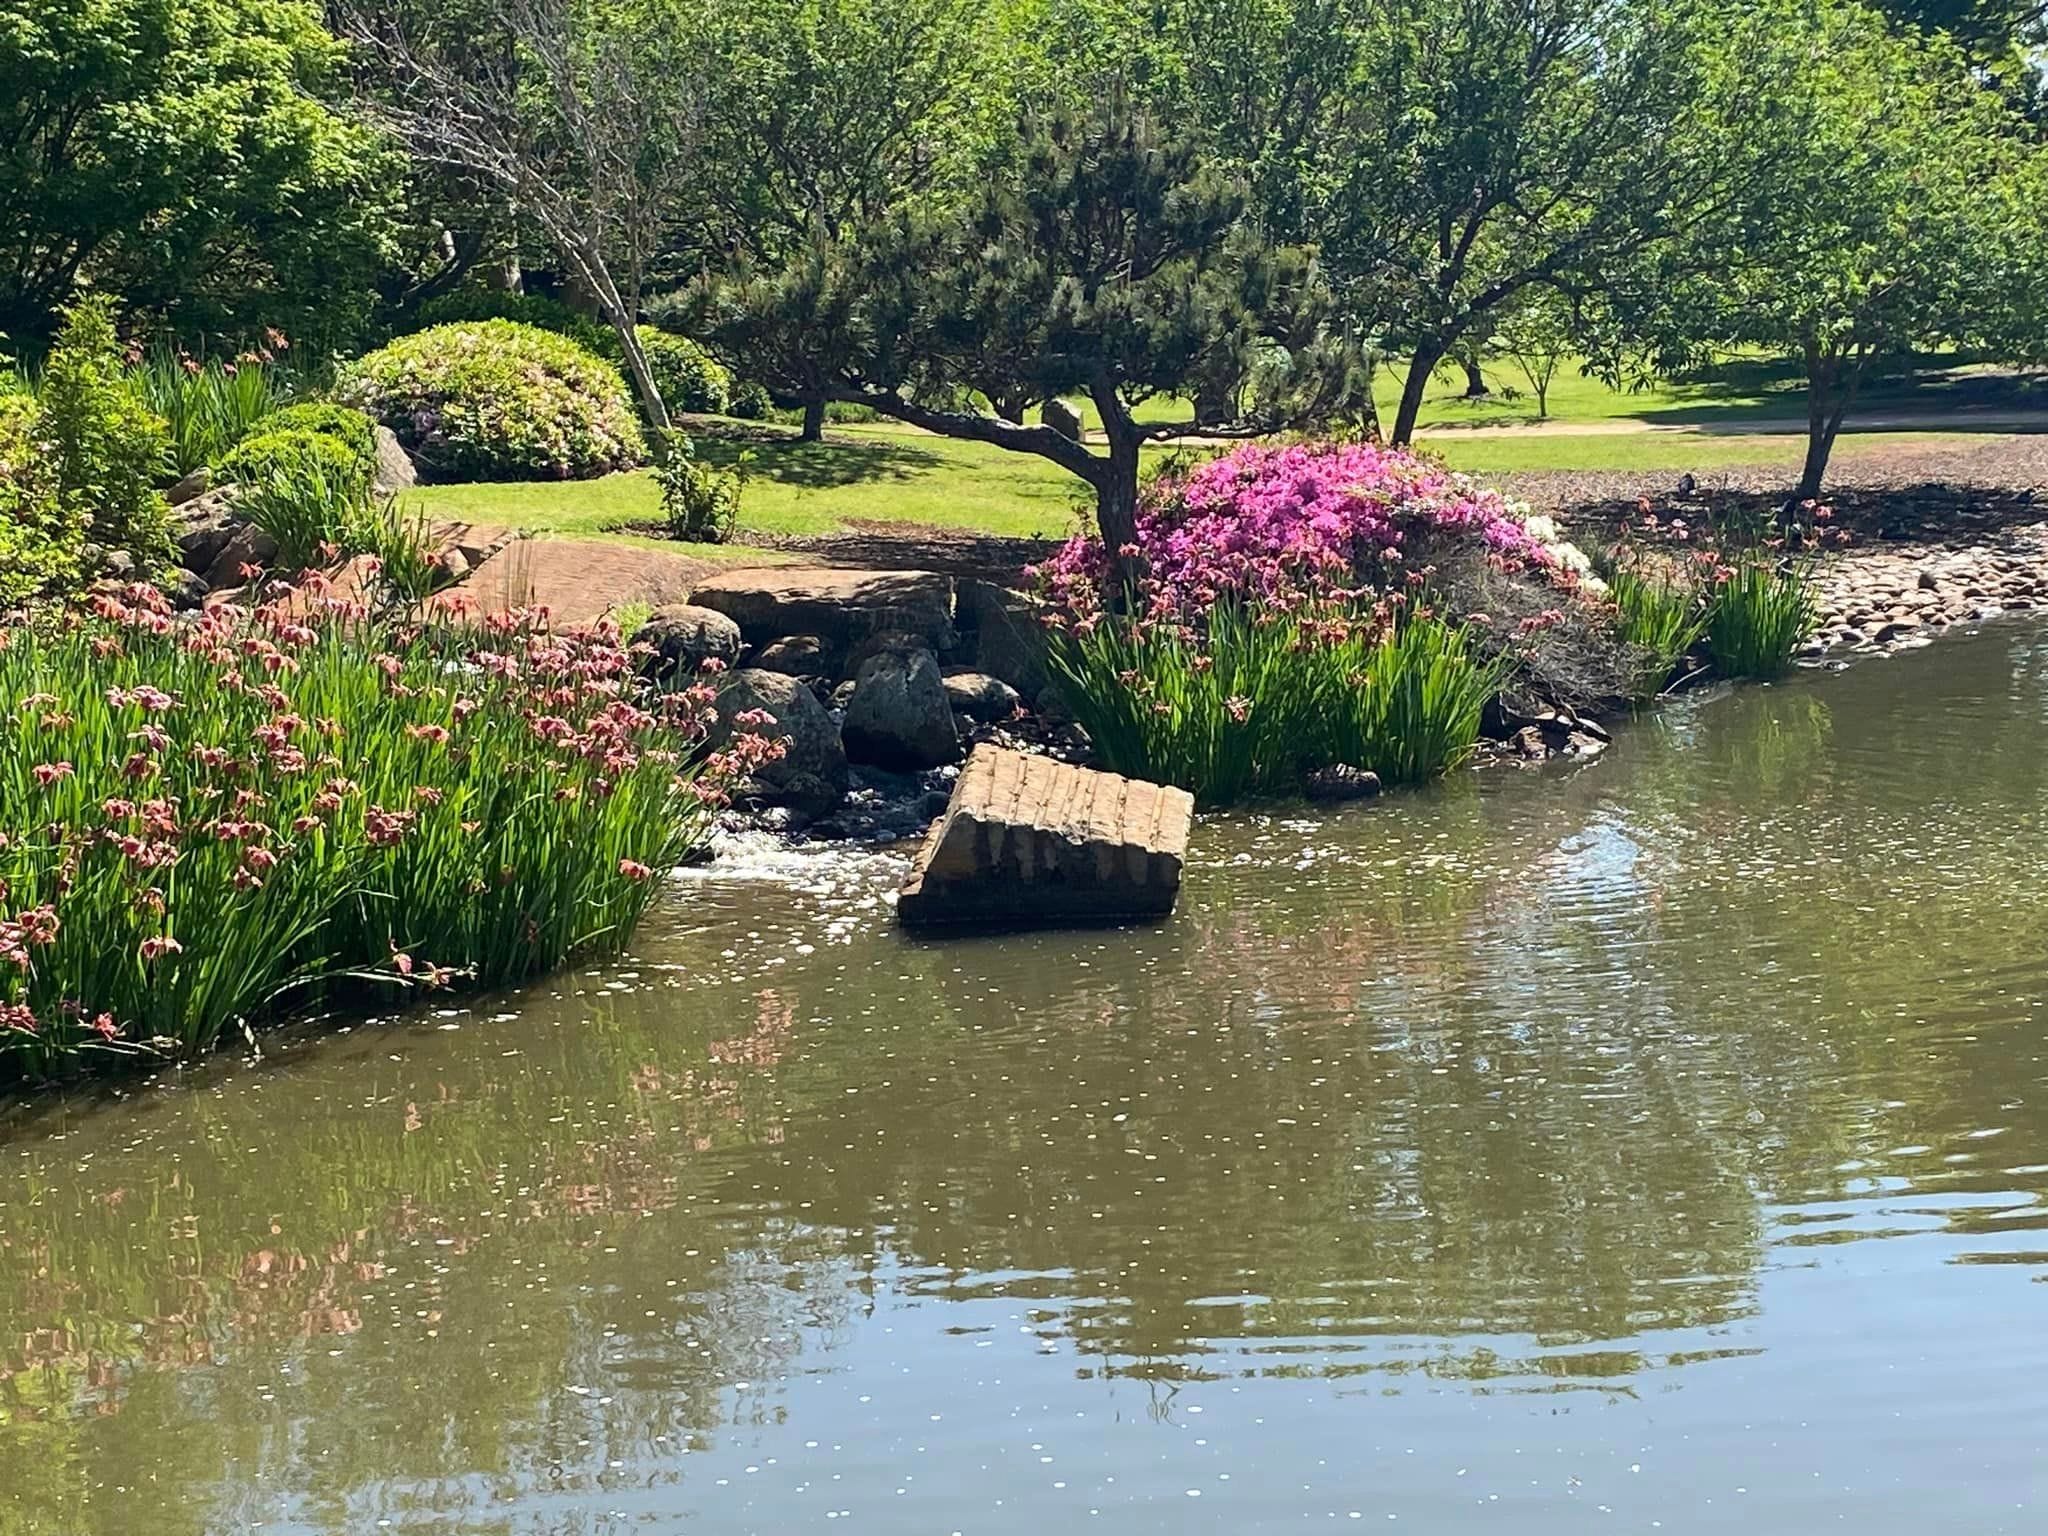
[[215, 819]]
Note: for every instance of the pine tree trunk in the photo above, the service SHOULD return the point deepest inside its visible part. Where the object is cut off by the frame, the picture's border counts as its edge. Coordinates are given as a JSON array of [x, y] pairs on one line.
[[814, 422]]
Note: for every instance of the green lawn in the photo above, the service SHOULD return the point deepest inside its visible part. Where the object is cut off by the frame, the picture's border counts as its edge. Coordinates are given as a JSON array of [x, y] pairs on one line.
[[888, 473]]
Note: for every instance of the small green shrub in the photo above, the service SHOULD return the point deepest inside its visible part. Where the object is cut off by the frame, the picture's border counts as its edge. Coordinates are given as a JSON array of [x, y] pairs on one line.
[[1761, 612], [305, 489], [402, 540], [750, 401], [346, 425], [1261, 698], [107, 445], [497, 400], [700, 502], [689, 378], [208, 407], [41, 539], [1661, 617]]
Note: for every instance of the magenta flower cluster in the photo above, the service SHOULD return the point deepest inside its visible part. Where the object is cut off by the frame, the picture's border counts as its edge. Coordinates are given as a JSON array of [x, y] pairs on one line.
[[1283, 524]]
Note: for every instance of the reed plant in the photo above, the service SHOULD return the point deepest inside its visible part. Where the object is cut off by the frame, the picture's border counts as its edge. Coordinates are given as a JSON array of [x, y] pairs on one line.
[[206, 824], [209, 406], [1661, 617], [1259, 697], [1761, 611]]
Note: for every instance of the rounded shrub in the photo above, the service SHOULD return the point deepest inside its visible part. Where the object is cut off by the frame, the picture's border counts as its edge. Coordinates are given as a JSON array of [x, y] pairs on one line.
[[689, 378], [292, 452], [527, 308], [750, 401], [498, 400], [346, 425]]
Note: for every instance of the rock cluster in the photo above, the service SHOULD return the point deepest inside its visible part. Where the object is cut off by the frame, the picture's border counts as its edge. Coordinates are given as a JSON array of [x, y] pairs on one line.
[[1890, 595], [879, 680]]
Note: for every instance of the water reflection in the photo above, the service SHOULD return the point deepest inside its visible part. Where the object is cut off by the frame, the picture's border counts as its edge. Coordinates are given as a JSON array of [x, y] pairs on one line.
[[1620, 1085]]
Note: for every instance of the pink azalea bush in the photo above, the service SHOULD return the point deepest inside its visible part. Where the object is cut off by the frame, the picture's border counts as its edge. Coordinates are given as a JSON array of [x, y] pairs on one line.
[[1280, 525], [207, 821]]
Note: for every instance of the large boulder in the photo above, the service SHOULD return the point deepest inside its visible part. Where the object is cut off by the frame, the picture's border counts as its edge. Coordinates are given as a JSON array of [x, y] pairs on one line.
[[1009, 635], [841, 607], [248, 548], [810, 776], [684, 637], [1026, 840], [395, 470], [203, 525], [899, 716]]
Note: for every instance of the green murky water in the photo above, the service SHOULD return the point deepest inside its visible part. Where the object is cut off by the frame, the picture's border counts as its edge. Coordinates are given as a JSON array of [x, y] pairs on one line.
[[1660, 1145]]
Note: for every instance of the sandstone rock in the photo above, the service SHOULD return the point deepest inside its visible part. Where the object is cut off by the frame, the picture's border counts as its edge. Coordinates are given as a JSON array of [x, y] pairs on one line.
[[186, 589], [204, 526], [1026, 840], [453, 567], [395, 470], [1010, 637], [576, 580], [1062, 418], [792, 655], [248, 545], [979, 696], [898, 716], [811, 775], [841, 607], [683, 637], [190, 487]]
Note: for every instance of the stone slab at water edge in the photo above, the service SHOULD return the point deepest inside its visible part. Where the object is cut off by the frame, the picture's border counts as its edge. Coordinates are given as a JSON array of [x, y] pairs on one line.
[[1027, 841]]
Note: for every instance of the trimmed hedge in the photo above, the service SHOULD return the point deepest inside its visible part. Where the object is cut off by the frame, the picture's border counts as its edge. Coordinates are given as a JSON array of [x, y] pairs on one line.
[[498, 400]]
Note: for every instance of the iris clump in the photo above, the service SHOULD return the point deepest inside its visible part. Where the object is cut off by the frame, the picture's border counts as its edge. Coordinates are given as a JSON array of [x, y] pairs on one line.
[[206, 824], [1265, 625], [1761, 611]]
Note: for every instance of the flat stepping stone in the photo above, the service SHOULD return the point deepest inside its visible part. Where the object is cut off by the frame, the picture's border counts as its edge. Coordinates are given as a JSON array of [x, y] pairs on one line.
[[1026, 841], [840, 606], [577, 580]]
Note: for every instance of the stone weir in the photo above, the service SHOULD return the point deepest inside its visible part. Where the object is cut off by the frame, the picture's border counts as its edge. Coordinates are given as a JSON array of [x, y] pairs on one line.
[[1026, 841]]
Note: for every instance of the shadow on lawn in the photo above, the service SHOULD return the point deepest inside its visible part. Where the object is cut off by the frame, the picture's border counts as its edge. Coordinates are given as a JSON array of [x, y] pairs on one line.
[[1736, 396], [838, 461]]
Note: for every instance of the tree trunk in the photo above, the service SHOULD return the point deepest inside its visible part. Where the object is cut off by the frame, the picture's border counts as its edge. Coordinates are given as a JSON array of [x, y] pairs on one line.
[[1828, 393], [1420, 367], [814, 422], [642, 378], [1475, 381], [1116, 488], [1543, 401]]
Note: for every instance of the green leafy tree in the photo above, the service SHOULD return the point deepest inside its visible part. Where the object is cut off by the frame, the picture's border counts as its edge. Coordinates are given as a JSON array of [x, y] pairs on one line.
[[1472, 150], [585, 115], [1886, 207], [830, 115], [178, 153], [1105, 259], [1537, 335]]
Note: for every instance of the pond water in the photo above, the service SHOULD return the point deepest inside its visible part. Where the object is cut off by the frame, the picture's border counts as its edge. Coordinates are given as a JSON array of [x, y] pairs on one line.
[[1654, 1145]]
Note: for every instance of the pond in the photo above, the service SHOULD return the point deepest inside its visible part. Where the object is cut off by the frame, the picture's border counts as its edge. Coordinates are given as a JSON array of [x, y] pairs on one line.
[[1654, 1145]]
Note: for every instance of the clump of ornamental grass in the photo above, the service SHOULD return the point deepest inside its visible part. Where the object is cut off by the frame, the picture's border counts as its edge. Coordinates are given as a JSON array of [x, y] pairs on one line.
[[1261, 696], [1761, 610], [207, 824], [211, 405], [1661, 616]]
